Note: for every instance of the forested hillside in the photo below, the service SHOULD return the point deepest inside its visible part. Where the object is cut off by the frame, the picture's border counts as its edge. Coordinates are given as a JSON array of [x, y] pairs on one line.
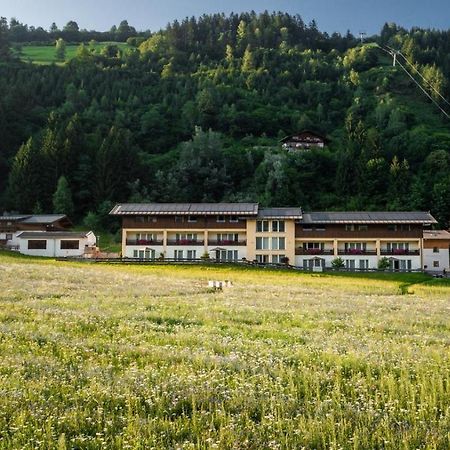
[[196, 111]]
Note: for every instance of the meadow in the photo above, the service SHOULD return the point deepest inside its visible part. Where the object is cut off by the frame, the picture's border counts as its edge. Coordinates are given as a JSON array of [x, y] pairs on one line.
[[46, 54], [95, 356]]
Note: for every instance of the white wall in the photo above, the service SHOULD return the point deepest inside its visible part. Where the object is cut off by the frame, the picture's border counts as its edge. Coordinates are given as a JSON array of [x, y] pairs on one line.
[[53, 249], [442, 257], [373, 260]]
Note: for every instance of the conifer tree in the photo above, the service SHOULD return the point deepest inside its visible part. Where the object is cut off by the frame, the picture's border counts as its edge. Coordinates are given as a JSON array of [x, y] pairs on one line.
[[62, 198]]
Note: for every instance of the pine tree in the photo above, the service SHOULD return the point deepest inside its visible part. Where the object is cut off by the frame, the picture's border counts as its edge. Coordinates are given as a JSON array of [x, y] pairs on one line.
[[62, 198]]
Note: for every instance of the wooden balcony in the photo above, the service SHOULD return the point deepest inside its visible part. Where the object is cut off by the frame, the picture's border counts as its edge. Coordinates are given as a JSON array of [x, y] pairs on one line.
[[313, 252], [400, 252], [357, 252], [144, 242], [191, 242], [226, 243]]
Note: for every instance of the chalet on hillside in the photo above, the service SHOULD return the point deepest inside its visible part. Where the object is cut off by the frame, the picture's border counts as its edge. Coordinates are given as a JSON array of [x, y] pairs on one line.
[[304, 141]]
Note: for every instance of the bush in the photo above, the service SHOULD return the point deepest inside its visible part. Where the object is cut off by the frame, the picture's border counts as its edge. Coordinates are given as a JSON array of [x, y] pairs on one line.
[[337, 263], [384, 263]]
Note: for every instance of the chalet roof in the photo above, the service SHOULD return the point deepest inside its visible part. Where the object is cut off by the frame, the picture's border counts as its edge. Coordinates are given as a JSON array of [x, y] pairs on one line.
[[436, 234], [304, 133], [209, 209], [369, 217], [53, 234], [280, 213], [12, 218], [35, 218], [44, 218]]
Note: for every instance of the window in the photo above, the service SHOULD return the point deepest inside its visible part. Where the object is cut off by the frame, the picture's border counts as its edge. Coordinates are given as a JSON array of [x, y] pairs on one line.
[[192, 219], [349, 227], [262, 243], [262, 226], [263, 259], [220, 219], [320, 228], [278, 243], [363, 264], [191, 254], [278, 259], [435, 263], [179, 219], [435, 249], [355, 246], [350, 264], [145, 238], [363, 227], [37, 245], [9, 237], [398, 247], [307, 228], [392, 227], [185, 238], [227, 238], [278, 226], [405, 227], [179, 254], [228, 255], [70, 245], [234, 219]]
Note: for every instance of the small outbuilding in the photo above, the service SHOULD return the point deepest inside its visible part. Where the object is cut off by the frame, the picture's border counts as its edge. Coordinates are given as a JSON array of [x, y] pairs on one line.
[[56, 244]]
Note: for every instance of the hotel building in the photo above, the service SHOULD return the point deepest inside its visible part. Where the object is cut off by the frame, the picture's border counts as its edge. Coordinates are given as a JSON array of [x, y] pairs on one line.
[[309, 240]]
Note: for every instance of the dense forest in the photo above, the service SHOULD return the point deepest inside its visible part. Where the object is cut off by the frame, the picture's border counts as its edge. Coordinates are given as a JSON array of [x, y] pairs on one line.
[[195, 112]]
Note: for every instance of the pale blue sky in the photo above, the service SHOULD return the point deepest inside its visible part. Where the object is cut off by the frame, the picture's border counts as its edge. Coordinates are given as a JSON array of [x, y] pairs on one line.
[[331, 15]]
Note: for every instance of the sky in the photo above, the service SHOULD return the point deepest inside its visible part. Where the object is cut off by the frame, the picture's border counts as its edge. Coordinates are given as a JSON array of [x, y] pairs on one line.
[[331, 15]]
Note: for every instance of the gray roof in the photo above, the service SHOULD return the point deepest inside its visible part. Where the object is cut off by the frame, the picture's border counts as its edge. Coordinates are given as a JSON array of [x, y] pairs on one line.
[[12, 218], [368, 217], [234, 209], [44, 218], [53, 234], [280, 213]]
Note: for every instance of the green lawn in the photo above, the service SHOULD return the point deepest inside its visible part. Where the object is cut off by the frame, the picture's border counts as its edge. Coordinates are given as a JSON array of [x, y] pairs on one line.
[[96, 356], [41, 54]]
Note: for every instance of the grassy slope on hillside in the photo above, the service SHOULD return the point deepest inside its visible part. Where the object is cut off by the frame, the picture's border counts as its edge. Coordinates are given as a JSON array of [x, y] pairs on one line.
[[139, 357], [45, 54]]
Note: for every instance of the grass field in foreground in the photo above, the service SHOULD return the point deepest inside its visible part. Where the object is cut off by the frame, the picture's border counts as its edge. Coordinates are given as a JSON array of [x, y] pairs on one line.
[[148, 357], [46, 54]]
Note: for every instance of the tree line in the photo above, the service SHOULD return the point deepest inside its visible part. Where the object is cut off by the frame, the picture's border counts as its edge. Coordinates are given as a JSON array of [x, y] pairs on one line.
[[197, 110]]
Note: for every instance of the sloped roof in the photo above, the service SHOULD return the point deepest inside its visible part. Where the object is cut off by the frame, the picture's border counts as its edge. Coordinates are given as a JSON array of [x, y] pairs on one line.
[[280, 213], [436, 234], [369, 217], [12, 218], [44, 218], [54, 234], [125, 209]]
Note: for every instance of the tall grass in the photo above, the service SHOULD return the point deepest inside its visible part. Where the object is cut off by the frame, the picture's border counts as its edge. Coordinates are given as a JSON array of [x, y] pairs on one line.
[[148, 357]]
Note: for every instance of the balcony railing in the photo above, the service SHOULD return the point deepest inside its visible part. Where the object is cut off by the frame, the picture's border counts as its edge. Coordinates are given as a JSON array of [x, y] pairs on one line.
[[228, 243], [144, 242], [357, 252], [313, 251], [192, 242], [399, 252]]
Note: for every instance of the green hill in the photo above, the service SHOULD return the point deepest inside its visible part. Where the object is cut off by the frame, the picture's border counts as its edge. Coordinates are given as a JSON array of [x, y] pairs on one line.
[[133, 125]]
